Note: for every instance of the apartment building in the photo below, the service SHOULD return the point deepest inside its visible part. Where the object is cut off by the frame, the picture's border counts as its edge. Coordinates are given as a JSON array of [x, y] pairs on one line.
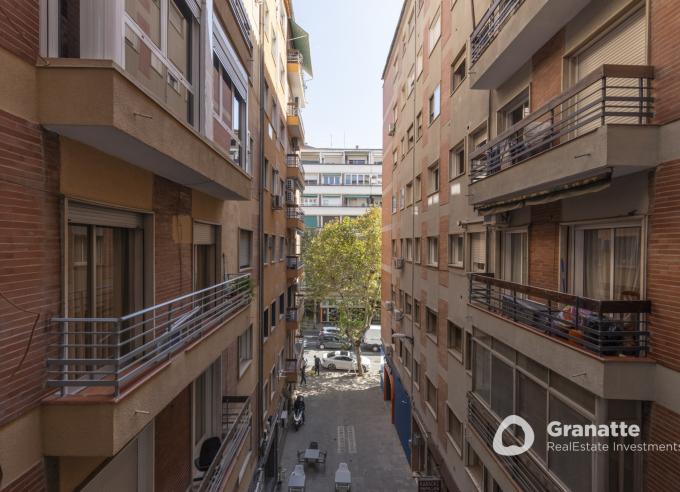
[[340, 183], [530, 261], [134, 218]]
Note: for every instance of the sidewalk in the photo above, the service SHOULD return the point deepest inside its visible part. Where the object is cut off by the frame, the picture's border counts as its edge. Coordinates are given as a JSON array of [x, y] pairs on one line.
[[348, 418]]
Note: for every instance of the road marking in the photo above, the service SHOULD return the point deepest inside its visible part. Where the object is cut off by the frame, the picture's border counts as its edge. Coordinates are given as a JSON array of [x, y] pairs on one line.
[[351, 440], [341, 439]]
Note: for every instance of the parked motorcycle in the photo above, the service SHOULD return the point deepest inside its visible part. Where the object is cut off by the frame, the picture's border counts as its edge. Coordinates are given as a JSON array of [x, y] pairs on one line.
[[298, 412]]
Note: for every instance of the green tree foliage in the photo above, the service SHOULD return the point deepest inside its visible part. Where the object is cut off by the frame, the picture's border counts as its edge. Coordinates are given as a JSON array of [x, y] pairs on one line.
[[342, 262]]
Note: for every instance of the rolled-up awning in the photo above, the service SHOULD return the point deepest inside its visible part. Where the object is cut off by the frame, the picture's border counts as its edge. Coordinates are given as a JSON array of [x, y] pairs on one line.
[[576, 188], [300, 40]]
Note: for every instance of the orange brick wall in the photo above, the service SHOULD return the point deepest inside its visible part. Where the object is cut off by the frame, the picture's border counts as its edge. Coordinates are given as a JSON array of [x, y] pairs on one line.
[[173, 444], [544, 243], [663, 265], [662, 470], [546, 77], [29, 261], [664, 22], [20, 28], [31, 481]]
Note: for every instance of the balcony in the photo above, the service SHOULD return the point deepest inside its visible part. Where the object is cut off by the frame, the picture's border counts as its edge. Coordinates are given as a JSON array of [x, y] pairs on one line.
[[294, 169], [293, 267], [292, 368], [100, 104], [510, 32], [294, 120], [295, 218], [601, 327], [295, 77], [595, 131], [236, 425], [524, 469], [277, 202], [116, 374]]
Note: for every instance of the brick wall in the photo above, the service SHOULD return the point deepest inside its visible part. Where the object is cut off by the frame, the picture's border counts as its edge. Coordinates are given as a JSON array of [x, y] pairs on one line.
[[31, 481], [546, 77], [29, 259], [20, 28], [662, 470], [544, 245], [173, 444], [173, 237], [663, 26], [663, 265]]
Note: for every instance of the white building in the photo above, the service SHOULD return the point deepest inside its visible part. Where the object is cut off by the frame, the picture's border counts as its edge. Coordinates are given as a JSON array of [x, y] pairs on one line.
[[340, 183]]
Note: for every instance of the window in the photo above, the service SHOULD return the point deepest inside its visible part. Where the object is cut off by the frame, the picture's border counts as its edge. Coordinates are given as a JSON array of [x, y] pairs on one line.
[[205, 255], [282, 248], [433, 175], [394, 204], [409, 249], [411, 21], [419, 125], [411, 137], [330, 179], [416, 250], [271, 247], [514, 256], [266, 249], [416, 311], [477, 252], [431, 396], [395, 157], [331, 201], [229, 113], [416, 373], [479, 138], [245, 248], [435, 102], [432, 251], [408, 306], [457, 161], [418, 188], [475, 468], [431, 321], [514, 111], [402, 198], [310, 200], [458, 72], [265, 324], [454, 429], [456, 257], [403, 147], [434, 31], [454, 337], [409, 194], [394, 247], [245, 346], [411, 82]]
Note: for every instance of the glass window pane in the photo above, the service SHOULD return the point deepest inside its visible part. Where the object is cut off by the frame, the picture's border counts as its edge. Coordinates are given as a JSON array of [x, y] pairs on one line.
[[482, 372], [572, 467], [501, 393], [597, 263], [627, 263], [531, 405]]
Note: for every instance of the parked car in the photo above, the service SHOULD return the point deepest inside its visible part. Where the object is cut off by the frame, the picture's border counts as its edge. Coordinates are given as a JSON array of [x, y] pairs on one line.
[[329, 330], [344, 362], [333, 341], [338, 352], [372, 339]]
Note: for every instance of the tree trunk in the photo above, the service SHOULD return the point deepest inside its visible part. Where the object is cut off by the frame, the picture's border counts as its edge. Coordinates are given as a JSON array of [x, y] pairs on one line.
[[357, 351]]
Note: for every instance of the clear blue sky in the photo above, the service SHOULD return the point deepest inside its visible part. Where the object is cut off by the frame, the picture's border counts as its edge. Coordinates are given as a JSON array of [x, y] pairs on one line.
[[349, 40]]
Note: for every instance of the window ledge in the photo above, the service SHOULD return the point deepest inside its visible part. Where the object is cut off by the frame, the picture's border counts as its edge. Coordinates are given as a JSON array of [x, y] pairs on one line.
[[431, 410], [453, 265], [243, 367], [455, 446], [432, 337], [456, 355]]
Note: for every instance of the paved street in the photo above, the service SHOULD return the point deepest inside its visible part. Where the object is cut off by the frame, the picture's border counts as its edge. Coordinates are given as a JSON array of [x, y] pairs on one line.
[[349, 419]]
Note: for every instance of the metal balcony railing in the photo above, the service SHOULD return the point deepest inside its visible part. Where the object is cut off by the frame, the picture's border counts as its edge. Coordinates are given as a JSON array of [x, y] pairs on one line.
[[114, 351], [525, 469], [294, 262], [236, 424], [295, 212], [602, 327], [294, 56], [293, 161], [293, 109], [490, 25], [619, 94]]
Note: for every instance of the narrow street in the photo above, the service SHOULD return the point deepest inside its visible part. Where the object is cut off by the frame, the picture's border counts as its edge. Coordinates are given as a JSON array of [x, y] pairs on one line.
[[347, 416]]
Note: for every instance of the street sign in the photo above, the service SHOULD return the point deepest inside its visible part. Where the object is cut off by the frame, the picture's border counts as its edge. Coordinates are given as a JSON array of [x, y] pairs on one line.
[[429, 484]]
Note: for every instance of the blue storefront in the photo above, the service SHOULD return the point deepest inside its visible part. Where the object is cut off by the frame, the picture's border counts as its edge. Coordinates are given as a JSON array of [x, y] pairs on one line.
[[401, 408]]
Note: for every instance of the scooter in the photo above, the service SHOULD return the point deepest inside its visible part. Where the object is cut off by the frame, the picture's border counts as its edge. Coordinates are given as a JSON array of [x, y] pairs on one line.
[[298, 418]]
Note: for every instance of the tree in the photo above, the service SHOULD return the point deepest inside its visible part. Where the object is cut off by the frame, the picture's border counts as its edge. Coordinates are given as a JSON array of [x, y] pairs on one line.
[[342, 262]]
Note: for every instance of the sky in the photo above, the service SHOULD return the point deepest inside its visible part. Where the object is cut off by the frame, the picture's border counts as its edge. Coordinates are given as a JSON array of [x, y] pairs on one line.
[[349, 41]]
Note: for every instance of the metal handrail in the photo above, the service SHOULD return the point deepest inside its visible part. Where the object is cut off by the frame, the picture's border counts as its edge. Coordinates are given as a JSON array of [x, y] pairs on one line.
[[295, 212], [490, 26], [293, 109], [214, 477], [295, 56], [112, 351], [294, 262], [525, 469], [619, 94], [602, 327]]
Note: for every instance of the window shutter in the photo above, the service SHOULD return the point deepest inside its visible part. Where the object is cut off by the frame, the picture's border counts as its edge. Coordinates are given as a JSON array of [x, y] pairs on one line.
[[477, 249], [204, 233], [83, 213]]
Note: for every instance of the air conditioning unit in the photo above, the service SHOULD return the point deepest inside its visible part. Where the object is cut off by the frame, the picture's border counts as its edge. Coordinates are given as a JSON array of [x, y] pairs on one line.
[[391, 129], [398, 315], [389, 305], [398, 263], [276, 202]]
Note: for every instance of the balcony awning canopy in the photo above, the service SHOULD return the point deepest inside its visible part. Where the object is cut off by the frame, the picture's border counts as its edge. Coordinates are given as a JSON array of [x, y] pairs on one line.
[[576, 188], [300, 40]]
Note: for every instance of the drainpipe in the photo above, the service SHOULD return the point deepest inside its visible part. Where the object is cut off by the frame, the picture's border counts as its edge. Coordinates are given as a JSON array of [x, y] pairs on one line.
[[260, 239]]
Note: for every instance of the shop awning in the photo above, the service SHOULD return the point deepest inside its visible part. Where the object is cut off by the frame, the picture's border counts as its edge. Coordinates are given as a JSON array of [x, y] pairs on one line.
[[300, 40]]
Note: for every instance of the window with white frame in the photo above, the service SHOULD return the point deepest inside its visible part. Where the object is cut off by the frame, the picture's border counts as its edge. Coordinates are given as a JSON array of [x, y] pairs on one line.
[[331, 200], [433, 181], [417, 192], [456, 249], [457, 161], [458, 71], [330, 179], [245, 248], [245, 346], [434, 31], [394, 203], [409, 249], [402, 198], [310, 200], [514, 256], [454, 429], [477, 241], [419, 62], [431, 396], [433, 250], [416, 250], [435, 103]]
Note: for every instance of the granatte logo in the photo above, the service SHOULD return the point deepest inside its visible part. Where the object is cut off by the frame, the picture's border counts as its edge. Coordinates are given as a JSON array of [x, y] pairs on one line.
[[512, 449]]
